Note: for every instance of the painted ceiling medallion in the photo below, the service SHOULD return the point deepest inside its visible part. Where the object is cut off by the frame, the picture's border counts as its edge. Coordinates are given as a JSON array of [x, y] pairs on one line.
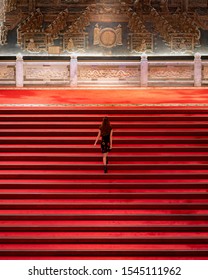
[[108, 37]]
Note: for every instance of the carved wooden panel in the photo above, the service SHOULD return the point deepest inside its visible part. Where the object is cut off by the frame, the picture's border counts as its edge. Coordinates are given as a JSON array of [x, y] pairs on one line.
[[141, 42], [183, 43], [54, 50], [39, 39], [198, 3], [75, 42]]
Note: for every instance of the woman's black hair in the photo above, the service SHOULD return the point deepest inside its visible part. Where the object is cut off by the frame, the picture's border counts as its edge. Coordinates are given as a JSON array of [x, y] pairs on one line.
[[105, 127]]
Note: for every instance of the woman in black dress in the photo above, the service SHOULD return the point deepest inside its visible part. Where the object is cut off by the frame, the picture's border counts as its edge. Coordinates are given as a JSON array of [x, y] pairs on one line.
[[106, 132]]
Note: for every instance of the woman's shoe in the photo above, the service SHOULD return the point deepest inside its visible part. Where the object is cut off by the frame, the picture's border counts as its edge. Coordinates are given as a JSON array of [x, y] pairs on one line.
[[105, 169]]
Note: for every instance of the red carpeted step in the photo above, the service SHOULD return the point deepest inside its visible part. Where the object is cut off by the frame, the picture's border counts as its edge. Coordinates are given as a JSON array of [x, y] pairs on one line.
[[122, 149], [104, 110], [70, 184], [130, 140], [116, 212], [89, 125], [109, 195], [89, 140], [106, 253], [86, 206], [145, 133], [116, 162], [104, 240], [139, 158], [8, 165], [98, 174], [105, 246], [132, 116], [100, 224], [70, 247], [108, 217], [106, 228], [104, 191], [107, 235], [101, 201]]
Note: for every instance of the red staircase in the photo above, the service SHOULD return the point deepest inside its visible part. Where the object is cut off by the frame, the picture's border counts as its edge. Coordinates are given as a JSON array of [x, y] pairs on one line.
[[56, 201]]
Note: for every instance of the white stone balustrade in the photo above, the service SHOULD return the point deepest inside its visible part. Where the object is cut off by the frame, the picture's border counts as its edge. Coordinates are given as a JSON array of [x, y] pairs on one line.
[[145, 72]]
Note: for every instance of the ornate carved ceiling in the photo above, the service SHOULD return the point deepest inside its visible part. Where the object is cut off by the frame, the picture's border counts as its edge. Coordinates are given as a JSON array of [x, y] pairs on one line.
[[64, 26]]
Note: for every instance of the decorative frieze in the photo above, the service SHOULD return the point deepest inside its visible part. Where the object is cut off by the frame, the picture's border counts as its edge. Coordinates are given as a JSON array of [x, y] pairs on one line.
[[102, 72], [205, 73], [170, 72], [46, 73], [7, 73]]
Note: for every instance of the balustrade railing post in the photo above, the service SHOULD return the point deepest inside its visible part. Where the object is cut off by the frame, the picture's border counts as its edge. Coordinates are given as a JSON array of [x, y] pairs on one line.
[[73, 71], [144, 71], [19, 71], [197, 70]]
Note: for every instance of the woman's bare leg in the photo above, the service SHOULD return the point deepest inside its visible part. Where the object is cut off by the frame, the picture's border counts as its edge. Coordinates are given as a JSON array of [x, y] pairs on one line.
[[104, 158]]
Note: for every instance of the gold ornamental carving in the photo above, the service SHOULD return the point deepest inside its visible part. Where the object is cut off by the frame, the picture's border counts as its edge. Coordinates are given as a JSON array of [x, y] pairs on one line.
[[201, 21], [107, 37], [140, 42], [182, 43]]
